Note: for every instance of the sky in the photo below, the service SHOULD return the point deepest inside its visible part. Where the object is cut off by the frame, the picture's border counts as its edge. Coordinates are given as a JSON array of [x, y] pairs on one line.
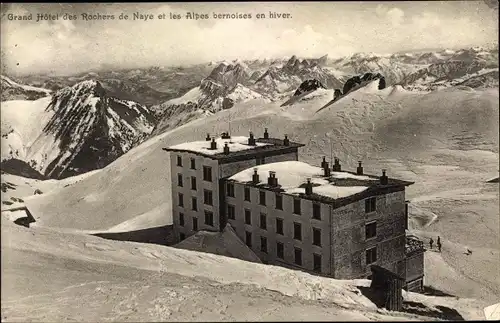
[[313, 29]]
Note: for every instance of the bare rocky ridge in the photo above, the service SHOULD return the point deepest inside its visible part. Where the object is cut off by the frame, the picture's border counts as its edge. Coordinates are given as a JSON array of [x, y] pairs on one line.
[[80, 128]]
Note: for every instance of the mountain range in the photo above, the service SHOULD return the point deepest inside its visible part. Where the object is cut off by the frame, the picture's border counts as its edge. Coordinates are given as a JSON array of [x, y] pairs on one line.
[[431, 118], [108, 112]]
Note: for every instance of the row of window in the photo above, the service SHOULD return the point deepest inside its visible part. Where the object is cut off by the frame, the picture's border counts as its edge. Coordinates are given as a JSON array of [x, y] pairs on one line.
[[280, 251], [370, 254], [207, 176], [179, 162], [279, 201], [209, 220], [207, 200], [297, 227]]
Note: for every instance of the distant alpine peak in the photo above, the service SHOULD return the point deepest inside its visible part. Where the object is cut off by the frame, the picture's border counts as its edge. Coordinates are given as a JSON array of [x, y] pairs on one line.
[[93, 87]]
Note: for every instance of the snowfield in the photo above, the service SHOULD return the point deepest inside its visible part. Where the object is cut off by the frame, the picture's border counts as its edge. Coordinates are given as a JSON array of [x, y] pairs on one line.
[[445, 141], [85, 278]]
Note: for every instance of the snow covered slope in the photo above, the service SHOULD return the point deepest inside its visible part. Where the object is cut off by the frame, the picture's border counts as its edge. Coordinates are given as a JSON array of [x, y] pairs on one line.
[[75, 130], [14, 91], [85, 278], [444, 141]]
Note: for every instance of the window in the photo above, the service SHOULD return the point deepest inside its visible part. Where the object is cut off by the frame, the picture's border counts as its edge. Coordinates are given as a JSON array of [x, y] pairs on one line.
[[316, 211], [207, 173], [179, 161], [182, 236], [195, 224], [370, 204], [262, 196], [208, 197], [371, 255], [297, 231], [248, 239], [296, 206], [179, 180], [230, 212], [194, 204], [230, 189], [209, 218], [298, 256], [279, 202], [317, 237], [248, 216], [371, 230], [261, 160], [280, 250], [181, 219], [263, 244], [193, 183], [263, 221], [317, 263], [193, 163], [247, 194], [279, 226], [181, 199]]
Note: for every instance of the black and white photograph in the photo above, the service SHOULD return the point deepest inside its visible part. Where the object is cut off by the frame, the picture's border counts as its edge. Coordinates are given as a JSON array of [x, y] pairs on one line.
[[250, 161]]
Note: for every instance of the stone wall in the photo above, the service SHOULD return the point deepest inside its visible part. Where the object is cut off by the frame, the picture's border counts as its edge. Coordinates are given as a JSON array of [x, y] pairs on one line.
[[349, 242]]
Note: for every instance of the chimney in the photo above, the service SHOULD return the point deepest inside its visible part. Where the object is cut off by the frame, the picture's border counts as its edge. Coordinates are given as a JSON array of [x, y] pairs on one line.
[[309, 187], [208, 137], [255, 176], [326, 169], [226, 149], [286, 141], [359, 170], [384, 180], [272, 180], [323, 162], [336, 166], [251, 139], [213, 144], [266, 134]]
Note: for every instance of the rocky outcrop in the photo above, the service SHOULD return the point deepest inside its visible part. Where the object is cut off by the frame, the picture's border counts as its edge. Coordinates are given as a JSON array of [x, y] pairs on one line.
[[307, 86], [356, 81], [336, 94]]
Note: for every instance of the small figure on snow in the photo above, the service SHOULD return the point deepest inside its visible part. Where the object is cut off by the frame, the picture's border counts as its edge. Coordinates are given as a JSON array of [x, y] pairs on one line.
[[439, 244], [431, 242]]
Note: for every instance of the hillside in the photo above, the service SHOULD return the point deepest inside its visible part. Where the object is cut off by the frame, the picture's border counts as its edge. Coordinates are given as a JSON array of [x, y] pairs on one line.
[[14, 91], [84, 278], [445, 141], [75, 130]]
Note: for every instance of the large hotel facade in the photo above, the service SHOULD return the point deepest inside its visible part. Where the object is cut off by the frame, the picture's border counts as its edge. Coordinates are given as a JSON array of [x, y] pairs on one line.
[[319, 219]]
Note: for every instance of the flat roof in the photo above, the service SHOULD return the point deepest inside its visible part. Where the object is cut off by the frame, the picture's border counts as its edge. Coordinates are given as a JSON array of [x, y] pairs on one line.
[[238, 147], [340, 188]]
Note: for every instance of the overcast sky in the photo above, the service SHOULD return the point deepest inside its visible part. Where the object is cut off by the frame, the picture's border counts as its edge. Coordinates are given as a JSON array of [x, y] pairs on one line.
[[314, 29]]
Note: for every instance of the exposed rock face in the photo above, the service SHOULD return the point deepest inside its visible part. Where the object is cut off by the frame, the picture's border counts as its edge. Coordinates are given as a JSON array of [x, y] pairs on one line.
[[337, 94], [81, 129], [227, 103], [357, 81], [308, 85]]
